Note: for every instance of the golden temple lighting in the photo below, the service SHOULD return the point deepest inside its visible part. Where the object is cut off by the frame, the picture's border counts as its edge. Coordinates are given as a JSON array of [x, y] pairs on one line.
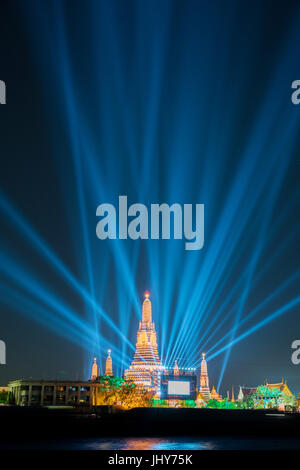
[[144, 369], [204, 382], [95, 370], [108, 365]]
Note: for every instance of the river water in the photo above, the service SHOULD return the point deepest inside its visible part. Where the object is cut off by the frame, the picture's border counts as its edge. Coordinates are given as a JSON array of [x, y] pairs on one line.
[[161, 443]]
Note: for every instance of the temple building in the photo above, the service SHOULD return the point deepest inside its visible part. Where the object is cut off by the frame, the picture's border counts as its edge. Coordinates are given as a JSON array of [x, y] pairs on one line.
[[108, 366], [95, 370], [298, 403], [244, 391], [282, 386], [204, 382], [200, 401], [145, 367], [214, 394]]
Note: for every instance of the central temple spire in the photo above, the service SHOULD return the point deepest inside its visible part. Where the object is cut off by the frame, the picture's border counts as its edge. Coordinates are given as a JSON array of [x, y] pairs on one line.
[[147, 309], [146, 363]]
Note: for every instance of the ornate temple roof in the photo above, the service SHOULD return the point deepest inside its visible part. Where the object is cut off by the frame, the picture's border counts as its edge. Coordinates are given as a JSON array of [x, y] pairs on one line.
[[281, 385]]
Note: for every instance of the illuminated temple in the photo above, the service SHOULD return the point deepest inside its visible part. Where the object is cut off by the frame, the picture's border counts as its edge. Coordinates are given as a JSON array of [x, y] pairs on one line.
[[144, 369], [108, 366], [204, 382], [95, 370]]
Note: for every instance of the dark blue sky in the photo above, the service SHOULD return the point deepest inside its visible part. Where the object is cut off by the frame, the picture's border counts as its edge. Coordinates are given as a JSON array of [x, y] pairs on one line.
[[162, 101]]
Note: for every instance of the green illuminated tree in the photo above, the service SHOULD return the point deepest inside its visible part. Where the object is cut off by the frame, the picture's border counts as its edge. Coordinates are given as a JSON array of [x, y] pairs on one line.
[[248, 401], [264, 392], [159, 403], [3, 396], [288, 400], [189, 404], [117, 391], [213, 403], [226, 404], [266, 397]]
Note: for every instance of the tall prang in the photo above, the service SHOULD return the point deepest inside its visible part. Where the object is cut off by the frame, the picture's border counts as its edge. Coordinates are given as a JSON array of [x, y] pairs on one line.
[[95, 370], [204, 382], [144, 369], [176, 368], [108, 365]]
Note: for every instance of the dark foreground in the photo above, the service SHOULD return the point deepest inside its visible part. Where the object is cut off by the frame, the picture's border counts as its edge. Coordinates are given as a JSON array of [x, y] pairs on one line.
[[107, 429]]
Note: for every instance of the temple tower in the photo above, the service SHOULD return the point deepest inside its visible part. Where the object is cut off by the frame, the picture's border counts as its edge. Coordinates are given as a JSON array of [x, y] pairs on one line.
[[214, 394], [144, 369], [95, 370], [108, 365], [240, 395], [176, 368], [204, 382]]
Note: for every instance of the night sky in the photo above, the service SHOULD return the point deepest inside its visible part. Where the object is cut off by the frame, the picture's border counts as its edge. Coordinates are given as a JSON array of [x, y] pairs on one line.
[[165, 102]]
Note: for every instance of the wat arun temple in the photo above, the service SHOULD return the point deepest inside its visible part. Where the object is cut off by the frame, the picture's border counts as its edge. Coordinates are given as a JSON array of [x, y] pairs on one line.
[[146, 368]]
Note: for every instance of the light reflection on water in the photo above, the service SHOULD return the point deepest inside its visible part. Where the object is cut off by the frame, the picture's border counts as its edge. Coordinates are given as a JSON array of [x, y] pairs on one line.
[[150, 444], [192, 444], [167, 445], [159, 443]]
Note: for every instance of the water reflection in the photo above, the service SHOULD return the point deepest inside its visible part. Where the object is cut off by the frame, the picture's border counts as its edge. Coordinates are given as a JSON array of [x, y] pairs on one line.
[[152, 444], [158, 444], [197, 445], [191, 443]]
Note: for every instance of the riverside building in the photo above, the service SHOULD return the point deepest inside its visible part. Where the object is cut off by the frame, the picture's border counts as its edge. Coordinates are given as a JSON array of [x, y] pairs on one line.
[[51, 393]]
